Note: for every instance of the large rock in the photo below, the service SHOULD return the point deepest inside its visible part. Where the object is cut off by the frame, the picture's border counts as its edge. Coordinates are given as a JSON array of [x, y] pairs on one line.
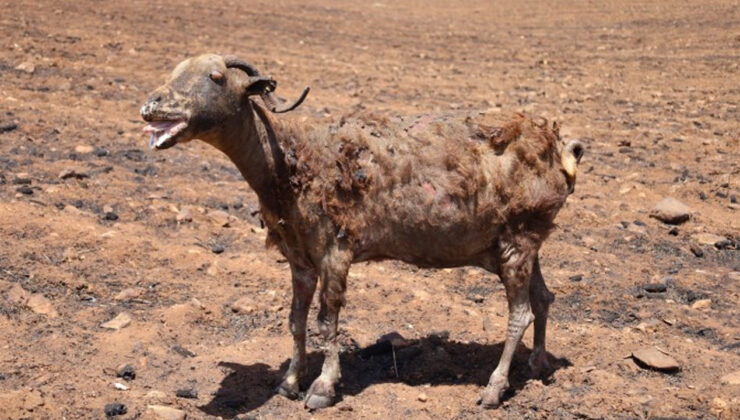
[[731, 378], [656, 359], [671, 211], [166, 413], [121, 321], [707, 238]]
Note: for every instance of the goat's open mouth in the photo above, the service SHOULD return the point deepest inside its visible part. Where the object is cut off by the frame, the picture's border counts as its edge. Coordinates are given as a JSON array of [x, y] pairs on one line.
[[164, 133]]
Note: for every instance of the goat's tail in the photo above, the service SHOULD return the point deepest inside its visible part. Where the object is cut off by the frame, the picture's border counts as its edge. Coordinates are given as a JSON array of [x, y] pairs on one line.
[[570, 157]]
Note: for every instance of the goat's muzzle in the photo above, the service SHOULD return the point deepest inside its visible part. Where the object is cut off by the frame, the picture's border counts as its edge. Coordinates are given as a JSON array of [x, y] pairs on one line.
[[569, 158]]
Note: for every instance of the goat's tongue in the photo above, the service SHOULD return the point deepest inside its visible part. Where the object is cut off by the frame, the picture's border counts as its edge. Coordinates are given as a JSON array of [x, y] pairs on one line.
[[155, 126]]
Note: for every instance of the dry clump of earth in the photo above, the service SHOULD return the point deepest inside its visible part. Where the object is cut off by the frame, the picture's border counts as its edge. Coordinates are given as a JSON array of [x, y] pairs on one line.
[[136, 285]]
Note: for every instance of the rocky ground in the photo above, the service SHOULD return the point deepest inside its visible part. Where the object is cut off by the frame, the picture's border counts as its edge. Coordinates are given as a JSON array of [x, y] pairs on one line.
[[140, 278]]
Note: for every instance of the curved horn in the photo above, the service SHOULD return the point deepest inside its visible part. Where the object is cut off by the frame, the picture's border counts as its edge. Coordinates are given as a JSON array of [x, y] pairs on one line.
[[273, 103]]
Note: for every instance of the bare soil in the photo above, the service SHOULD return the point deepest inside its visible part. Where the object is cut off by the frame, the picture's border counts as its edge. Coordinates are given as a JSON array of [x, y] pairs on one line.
[[651, 87]]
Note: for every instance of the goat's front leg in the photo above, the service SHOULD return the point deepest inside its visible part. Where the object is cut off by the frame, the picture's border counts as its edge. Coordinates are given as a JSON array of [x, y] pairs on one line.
[[304, 286], [515, 272], [541, 299], [333, 284]]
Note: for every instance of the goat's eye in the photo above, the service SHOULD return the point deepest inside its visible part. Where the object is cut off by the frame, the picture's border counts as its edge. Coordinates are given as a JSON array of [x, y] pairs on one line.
[[217, 76]]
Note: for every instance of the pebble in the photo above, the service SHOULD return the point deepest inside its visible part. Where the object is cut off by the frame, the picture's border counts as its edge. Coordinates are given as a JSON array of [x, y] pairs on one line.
[[243, 305], [166, 413], [656, 359], [576, 277], [121, 321], [84, 149], [110, 216], [671, 211], [655, 287], [119, 386], [129, 294], [422, 397], [26, 67], [25, 190], [115, 409], [219, 217], [396, 339], [184, 215], [707, 238], [187, 393], [702, 304], [217, 249], [696, 250], [41, 305], [8, 127], [126, 372], [731, 378], [72, 173]]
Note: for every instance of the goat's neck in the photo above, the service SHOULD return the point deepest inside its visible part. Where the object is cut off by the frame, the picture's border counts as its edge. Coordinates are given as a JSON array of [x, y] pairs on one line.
[[259, 157]]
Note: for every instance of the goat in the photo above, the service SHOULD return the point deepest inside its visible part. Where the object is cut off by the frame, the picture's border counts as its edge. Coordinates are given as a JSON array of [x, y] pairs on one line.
[[469, 189]]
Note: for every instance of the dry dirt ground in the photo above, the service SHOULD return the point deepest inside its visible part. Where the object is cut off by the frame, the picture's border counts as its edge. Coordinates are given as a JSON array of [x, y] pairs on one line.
[[652, 88]]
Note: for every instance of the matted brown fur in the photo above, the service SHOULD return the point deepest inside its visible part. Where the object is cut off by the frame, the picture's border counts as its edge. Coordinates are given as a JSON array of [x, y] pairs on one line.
[[396, 181]]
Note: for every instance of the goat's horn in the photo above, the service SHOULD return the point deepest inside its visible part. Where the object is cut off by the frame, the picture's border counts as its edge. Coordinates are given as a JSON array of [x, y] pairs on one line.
[[273, 103], [238, 63]]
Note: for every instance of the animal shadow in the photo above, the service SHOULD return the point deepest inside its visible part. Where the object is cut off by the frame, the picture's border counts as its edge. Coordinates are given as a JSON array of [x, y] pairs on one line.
[[433, 360]]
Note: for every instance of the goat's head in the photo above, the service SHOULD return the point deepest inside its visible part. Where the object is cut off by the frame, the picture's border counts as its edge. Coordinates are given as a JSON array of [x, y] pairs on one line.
[[202, 95]]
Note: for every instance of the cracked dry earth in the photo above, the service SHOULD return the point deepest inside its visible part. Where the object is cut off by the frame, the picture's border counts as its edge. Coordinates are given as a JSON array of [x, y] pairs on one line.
[[94, 225]]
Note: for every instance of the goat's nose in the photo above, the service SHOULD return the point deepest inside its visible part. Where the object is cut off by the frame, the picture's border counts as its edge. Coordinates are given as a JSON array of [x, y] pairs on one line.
[[149, 106]]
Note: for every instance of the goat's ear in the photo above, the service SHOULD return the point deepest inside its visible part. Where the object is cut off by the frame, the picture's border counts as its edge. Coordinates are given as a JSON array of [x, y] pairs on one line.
[[260, 85]]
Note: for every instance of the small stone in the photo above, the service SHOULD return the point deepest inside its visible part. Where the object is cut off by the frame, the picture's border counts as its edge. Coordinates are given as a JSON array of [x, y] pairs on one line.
[[702, 304], [243, 305], [84, 149], [22, 180], [121, 321], [671, 211], [217, 249], [119, 386], [32, 400], [656, 359], [718, 405], [18, 294], [731, 378], [184, 215], [115, 409], [655, 287], [219, 218], [422, 397], [41, 305], [157, 396], [111, 216], [696, 250], [25, 190], [8, 127], [26, 67], [708, 238], [129, 294], [166, 413], [395, 339], [72, 173], [126, 372], [187, 393], [576, 278], [182, 351]]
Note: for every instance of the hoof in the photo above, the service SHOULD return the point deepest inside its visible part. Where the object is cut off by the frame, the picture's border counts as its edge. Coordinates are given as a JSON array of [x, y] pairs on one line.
[[539, 367], [316, 401], [287, 390], [320, 395], [492, 394]]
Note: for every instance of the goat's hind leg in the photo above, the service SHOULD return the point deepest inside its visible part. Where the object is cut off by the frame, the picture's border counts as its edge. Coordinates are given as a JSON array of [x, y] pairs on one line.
[[304, 286], [515, 272], [541, 299], [333, 284]]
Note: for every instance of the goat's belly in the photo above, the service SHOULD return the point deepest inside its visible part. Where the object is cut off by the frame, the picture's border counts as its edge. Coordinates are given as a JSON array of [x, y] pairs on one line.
[[430, 246]]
